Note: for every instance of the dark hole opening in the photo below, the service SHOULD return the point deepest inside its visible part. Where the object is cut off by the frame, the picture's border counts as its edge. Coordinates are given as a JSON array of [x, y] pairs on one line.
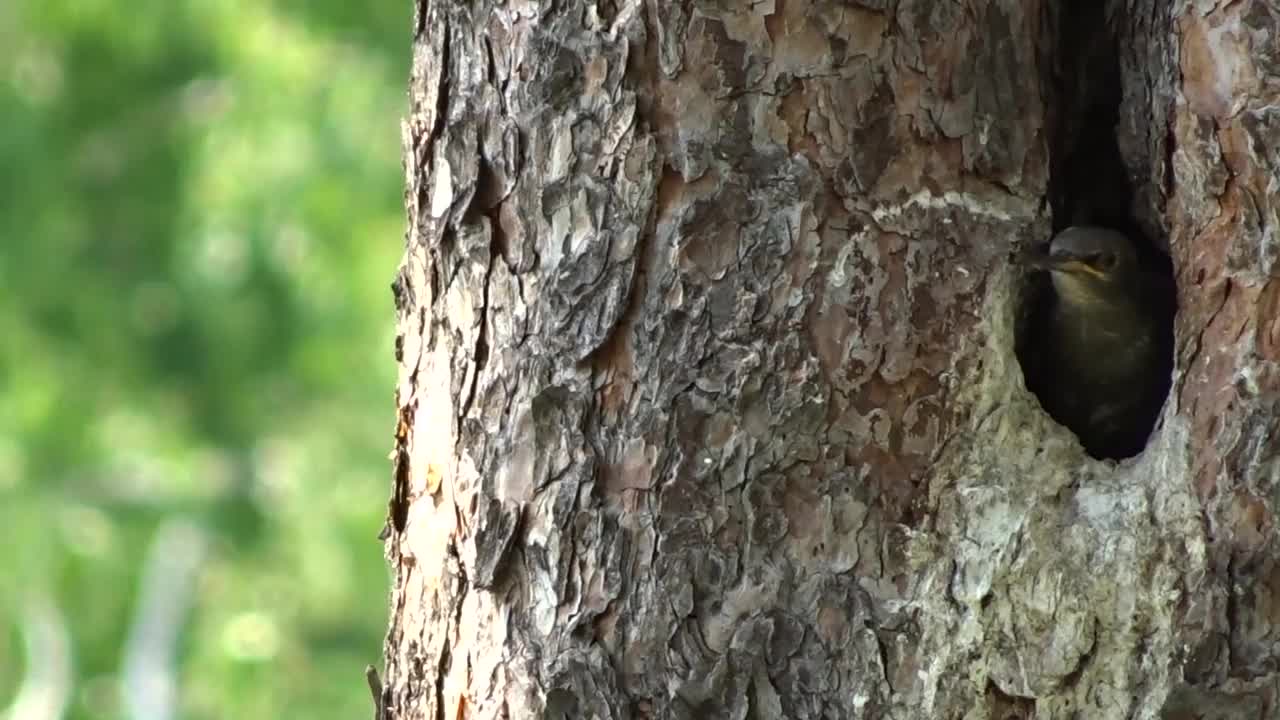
[[1110, 400]]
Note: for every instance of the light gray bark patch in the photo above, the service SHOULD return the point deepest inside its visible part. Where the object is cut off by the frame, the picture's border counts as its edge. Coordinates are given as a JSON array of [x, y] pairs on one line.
[[670, 23], [1261, 214], [471, 257]]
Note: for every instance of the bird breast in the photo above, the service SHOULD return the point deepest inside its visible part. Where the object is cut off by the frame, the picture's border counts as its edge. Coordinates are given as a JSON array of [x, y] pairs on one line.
[[1104, 347]]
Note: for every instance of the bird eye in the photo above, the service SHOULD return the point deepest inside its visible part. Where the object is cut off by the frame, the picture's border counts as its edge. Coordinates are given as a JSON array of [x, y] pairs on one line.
[[1103, 261]]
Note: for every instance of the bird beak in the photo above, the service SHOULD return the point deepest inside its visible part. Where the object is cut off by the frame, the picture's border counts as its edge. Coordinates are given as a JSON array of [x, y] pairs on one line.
[[1041, 259]]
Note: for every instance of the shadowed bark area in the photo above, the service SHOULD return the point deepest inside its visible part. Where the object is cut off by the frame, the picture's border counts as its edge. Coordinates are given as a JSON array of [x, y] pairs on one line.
[[708, 399]]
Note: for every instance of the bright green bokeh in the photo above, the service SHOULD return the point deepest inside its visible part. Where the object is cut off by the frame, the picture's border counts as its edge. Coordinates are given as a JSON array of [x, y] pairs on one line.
[[200, 215]]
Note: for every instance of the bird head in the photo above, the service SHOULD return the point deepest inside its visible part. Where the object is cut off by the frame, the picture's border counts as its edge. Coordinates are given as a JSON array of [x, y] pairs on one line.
[[1089, 265]]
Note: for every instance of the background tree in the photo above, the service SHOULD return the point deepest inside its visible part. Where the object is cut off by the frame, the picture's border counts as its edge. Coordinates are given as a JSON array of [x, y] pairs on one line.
[[199, 215], [709, 401]]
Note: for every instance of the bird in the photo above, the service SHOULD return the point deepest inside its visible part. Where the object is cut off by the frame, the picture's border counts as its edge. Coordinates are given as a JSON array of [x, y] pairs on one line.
[[1099, 350]]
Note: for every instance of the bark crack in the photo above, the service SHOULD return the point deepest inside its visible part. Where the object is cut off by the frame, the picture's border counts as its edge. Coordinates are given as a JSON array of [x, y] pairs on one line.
[[480, 353], [442, 92]]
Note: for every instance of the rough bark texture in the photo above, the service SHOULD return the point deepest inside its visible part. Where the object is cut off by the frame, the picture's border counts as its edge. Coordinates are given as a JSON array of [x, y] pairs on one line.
[[709, 405]]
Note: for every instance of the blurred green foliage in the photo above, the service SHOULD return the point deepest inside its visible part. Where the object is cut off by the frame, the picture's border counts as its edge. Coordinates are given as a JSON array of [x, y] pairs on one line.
[[200, 214]]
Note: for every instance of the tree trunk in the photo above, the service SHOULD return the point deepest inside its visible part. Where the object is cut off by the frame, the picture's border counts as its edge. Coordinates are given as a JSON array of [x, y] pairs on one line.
[[709, 403]]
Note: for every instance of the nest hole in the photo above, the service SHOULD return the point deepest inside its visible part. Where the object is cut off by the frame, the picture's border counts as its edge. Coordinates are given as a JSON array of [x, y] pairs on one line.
[[1090, 185]]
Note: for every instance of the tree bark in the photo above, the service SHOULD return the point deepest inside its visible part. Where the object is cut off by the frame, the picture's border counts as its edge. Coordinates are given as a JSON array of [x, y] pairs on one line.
[[709, 404]]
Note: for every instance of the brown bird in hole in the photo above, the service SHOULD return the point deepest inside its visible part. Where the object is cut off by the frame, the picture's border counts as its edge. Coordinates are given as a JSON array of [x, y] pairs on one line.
[[1098, 354]]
